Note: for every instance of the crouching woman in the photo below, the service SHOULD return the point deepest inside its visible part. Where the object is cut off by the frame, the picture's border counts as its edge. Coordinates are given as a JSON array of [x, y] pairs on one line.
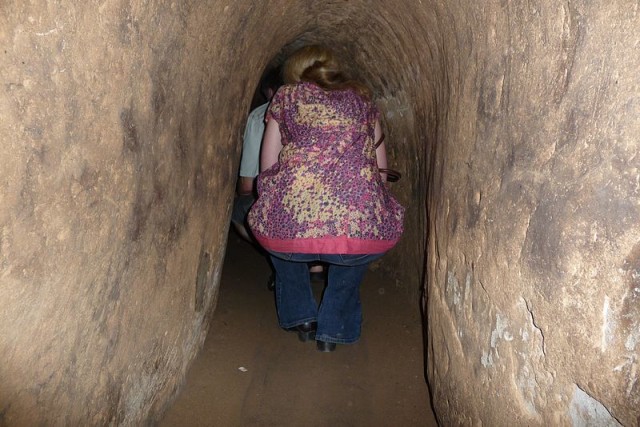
[[322, 197]]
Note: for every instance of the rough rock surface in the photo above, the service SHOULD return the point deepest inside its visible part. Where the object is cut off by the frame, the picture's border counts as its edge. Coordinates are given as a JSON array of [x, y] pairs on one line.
[[515, 124], [534, 269]]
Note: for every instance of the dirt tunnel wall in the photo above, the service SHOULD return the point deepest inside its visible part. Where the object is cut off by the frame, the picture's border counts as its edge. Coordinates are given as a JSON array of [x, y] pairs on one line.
[[516, 127]]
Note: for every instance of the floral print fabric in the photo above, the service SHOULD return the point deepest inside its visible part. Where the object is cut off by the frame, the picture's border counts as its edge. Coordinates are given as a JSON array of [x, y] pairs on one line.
[[325, 194]]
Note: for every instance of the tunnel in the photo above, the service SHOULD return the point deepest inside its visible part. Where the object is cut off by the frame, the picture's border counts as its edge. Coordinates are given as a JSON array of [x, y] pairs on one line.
[[515, 126]]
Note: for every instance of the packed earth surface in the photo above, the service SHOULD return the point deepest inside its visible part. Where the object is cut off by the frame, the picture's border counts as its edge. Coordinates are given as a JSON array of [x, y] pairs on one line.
[[250, 372]]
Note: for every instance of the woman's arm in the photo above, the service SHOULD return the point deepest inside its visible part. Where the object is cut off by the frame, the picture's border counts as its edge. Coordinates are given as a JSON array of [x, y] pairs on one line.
[[381, 152], [271, 145]]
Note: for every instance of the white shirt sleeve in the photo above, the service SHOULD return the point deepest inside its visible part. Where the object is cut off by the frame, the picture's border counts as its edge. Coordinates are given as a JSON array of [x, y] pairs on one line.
[[252, 140]]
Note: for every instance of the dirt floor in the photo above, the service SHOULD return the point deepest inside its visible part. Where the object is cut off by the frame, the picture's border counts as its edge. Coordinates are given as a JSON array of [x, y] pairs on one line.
[[252, 373]]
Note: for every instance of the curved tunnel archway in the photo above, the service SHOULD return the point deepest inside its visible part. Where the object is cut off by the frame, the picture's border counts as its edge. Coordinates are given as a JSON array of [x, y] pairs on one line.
[[515, 125]]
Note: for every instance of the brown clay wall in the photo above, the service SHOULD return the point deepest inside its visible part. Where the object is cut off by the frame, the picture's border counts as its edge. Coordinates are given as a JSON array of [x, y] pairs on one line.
[[534, 213]]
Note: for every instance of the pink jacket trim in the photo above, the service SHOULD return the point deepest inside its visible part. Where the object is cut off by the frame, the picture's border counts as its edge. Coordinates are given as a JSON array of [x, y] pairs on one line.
[[327, 245]]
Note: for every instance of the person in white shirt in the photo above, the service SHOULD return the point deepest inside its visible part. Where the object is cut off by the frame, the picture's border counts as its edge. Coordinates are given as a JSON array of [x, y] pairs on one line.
[[250, 161], [250, 167]]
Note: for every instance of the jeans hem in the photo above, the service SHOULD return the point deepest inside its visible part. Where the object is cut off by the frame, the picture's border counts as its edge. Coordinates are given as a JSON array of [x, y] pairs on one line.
[[297, 323]]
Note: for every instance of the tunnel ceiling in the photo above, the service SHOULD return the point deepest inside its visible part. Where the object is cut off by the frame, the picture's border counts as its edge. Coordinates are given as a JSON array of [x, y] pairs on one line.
[[514, 124]]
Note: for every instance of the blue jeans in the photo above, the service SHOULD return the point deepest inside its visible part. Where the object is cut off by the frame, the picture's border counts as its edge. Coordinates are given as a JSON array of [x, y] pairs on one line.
[[339, 316]]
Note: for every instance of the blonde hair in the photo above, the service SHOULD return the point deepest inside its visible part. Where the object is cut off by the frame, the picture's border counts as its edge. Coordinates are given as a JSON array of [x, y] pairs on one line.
[[319, 65]]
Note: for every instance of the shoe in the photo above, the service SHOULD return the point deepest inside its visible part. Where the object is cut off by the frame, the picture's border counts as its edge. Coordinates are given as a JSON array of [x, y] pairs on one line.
[[326, 347], [306, 331]]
